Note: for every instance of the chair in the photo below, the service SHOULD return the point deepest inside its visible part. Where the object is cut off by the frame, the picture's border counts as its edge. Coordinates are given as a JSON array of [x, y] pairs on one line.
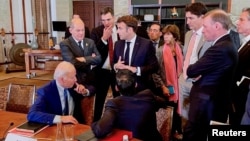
[[88, 106], [3, 97], [20, 97], [164, 118]]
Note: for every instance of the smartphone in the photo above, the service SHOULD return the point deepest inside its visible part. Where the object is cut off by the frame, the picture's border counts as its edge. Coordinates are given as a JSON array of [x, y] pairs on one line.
[[171, 89]]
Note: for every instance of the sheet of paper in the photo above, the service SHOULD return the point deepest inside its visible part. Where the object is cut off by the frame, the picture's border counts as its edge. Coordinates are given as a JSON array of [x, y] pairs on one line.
[[15, 137]]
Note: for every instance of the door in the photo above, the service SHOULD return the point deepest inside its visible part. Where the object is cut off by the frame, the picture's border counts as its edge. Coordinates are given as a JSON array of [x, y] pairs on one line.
[[89, 11], [85, 9]]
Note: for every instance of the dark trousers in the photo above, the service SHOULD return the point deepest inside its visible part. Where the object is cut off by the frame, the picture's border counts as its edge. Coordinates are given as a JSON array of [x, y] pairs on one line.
[[104, 79], [239, 97]]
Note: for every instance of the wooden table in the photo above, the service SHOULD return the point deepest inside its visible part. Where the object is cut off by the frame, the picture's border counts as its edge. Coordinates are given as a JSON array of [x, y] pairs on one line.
[[30, 55], [50, 132], [19, 118]]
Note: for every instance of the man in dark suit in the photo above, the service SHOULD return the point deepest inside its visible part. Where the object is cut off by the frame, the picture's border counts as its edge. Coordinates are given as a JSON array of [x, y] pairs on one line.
[[212, 75], [81, 52], [105, 37], [155, 35], [131, 111], [139, 56], [50, 104], [242, 78]]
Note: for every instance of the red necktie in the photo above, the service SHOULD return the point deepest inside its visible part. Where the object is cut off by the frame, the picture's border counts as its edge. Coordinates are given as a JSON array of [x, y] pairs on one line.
[[111, 50], [188, 55]]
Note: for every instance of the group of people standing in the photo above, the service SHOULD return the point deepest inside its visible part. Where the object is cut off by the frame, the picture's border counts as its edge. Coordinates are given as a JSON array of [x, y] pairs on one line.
[[198, 78]]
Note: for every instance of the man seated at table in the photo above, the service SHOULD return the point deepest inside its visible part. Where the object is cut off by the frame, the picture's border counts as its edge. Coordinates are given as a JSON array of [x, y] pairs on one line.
[[131, 111], [50, 106]]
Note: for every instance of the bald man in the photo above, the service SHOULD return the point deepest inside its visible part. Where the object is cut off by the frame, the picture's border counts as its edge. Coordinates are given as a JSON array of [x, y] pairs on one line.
[[50, 104], [81, 52]]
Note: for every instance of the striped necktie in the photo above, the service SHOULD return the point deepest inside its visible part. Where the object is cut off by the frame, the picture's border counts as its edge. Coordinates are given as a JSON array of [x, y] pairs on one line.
[[66, 108]]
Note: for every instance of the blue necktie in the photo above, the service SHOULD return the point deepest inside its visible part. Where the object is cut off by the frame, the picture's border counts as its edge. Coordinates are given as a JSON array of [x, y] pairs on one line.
[[66, 108], [126, 58]]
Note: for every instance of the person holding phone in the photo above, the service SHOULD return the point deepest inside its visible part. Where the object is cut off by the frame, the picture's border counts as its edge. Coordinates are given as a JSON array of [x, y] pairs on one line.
[[171, 62]]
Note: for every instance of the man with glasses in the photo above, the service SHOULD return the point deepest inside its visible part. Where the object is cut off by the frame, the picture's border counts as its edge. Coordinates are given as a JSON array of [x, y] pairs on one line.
[[155, 34]]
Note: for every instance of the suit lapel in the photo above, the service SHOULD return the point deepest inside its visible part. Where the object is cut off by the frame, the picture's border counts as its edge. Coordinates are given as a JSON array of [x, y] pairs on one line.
[[56, 96], [187, 40], [135, 50], [201, 43], [244, 49], [74, 46]]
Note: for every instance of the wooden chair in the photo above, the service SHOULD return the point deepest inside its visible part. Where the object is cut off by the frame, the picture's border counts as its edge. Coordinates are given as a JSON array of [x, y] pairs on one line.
[[20, 97], [3, 97], [164, 117], [88, 106]]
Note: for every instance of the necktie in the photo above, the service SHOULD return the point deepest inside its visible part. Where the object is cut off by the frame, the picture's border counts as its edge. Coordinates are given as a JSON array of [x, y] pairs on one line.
[[66, 108], [188, 55], [111, 50], [155, 44], [126, 58], [80, 46]]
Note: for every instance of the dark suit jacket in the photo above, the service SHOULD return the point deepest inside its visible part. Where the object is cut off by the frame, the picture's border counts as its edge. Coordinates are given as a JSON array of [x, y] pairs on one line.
[[48, 104], [143, 56], [133, 113], [243, 68], [217, 67], [70, 50]]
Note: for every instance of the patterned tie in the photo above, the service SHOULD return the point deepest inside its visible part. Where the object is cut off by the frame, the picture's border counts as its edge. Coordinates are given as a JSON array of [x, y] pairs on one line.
[[66, 108], [111, 50], [188, 55], [126, 58], [80, 46]]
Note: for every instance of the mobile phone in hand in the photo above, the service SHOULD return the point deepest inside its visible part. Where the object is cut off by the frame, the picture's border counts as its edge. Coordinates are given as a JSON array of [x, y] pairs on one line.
[[171, 89]]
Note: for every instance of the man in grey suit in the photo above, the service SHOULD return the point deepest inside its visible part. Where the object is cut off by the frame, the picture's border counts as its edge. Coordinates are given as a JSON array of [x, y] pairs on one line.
[[194, 14], [81, 52]]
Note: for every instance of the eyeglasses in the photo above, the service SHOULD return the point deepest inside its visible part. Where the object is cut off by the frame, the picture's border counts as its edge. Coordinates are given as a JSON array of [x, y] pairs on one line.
[[153, 30]]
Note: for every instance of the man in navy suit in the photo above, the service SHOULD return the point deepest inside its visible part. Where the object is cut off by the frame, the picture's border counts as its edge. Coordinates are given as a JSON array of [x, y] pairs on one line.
[[131, 111], [141, 58], [50, 104], [242, 78], [81, 52], [212, 77]]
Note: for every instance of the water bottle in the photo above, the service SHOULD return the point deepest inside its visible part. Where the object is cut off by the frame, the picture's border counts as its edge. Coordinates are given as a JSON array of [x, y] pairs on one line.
[[125, 138]]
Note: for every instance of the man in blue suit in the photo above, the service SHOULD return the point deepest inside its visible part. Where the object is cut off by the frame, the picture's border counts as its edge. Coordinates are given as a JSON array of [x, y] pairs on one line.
[[212, 77], [141, 58], [51, 102]]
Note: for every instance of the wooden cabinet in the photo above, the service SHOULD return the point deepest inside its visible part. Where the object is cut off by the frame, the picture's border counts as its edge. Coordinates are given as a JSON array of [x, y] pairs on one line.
[[163, 14]]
